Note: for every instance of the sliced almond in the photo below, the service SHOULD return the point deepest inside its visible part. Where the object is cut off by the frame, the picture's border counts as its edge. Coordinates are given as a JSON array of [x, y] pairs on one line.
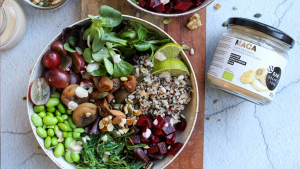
[[130, 121], [117, 113], [137, 112], [117, 120]]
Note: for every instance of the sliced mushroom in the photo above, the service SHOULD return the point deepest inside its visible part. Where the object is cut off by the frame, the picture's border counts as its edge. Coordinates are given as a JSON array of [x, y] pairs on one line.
[[94, 95], [116, 84], [120, 95], [85, 114], [103, 107], [69, 94], [96, 80], [130, 84], [105, 84], [109, 97]]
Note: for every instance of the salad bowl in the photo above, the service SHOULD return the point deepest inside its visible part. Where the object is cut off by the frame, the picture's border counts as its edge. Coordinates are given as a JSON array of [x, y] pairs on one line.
[[190, 111]]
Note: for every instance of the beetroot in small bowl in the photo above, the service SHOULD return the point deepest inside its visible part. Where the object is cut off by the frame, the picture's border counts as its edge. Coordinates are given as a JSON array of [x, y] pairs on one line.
[[169, 8]]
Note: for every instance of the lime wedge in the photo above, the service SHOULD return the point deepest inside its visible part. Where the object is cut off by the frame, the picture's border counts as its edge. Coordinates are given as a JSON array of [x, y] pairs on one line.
[[169, 50], [174, 66]]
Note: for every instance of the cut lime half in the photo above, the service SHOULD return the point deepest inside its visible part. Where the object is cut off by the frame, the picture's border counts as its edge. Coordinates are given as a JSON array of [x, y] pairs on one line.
[[174, 66], [169, 50]]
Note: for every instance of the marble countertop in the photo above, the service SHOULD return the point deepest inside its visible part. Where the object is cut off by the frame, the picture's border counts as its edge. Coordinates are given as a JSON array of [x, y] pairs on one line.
[[238, 134]]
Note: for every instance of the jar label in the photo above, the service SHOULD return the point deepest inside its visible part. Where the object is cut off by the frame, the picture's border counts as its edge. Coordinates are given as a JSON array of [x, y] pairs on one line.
[[248, 66]]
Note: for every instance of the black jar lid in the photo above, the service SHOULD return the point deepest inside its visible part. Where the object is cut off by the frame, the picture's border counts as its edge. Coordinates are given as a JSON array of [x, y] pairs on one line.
[[269, 30]]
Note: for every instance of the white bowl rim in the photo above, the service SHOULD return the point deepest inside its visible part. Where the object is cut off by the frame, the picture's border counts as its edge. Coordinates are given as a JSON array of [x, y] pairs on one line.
[[195, 91], [29, 3]]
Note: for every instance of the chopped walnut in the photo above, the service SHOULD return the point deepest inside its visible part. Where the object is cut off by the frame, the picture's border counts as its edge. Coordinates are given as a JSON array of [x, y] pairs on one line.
[[218, 6], [194, 22]]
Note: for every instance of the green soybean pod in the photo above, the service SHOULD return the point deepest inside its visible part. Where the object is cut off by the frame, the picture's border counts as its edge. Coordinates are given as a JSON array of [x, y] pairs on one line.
[[56, 94], [54, 141], [41, 132], [37, 120], [48, 142], [42, 114], [64, 116], [69, 112], [75, 157], [68, 142], [63, 127], [71, 123], [70, 134], [68, 157], [76, 135], [51, 109], [38, 109], [52, 102], [59, 150], [66, 123], [50, 132], [57, 113], [50, 121], [79, 130], [65, 134], [49, 114], [59, 119], [61, 108]]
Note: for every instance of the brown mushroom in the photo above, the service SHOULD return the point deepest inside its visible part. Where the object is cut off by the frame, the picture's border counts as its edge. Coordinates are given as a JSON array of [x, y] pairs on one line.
[[120, 95], [94, 95], [85, 114], [103, 107], [69, 94], [105, 84], [96, 80], [130, 84], [116, 84], [109, 97]]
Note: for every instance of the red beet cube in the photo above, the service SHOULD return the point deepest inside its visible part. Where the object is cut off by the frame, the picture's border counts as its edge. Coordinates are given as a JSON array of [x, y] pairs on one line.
[[140, 155], [146, 133], [158, 132], [142, 120], [155, 156], [142, 3], [153, 149], [183, 6], [198, 2], [155, 3], [146, 142], [181, 125], [136, 139], [160, 8], [175, 148], [170, 139], [168, 130], [169, 7], [135, 128], [152, 144], [162, 148], [159, 122], [154, 139], [177, 1]]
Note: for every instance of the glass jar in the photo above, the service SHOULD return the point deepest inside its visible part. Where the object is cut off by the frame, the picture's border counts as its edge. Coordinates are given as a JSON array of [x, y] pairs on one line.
[[249, 60], [13, 24]]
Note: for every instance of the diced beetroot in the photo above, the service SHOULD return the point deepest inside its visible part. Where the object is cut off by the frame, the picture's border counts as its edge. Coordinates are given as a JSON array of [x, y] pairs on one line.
[[145, 151], [149, 165], [142, 120], [152, 144], [181, 125], [175, 148], [154, 139], [140, 155], [155, 156], [169, 7], [153, 149], [135, 128], [170, 139], [142, 3], [149, 122], [168, 130], [146, 133], [198, 2], [177, 1], [136, 139], [162, 148], [160, 8], [183, 6], [146, 142], [155, 3], [158, 132], [159, 123]]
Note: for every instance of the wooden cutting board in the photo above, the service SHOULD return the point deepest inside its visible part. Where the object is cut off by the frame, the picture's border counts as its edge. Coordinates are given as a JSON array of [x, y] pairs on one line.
[[192, 155]]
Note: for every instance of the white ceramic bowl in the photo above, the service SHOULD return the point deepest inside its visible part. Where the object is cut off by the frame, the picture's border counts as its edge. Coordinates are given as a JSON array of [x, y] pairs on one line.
[[176, 14], [190, 111], [28, 2]]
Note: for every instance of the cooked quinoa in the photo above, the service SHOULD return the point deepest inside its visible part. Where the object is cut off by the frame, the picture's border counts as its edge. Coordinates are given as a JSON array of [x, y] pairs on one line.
[[161, 95]]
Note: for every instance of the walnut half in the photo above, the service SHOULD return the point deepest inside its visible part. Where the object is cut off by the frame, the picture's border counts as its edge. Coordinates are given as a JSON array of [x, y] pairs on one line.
[[194, 22]]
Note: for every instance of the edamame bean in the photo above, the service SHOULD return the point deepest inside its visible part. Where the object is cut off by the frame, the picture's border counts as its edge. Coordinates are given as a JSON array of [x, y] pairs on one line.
[[59, 119], [69, 112], [68, 157], [65, 134], [71, 124], [51, 109], [50, 121], [54, 141], [52, 102], [56, 128], [50, 132], [63, 127], [48, 142], [59, 150], [66, 123], [61, 108], [49, 114], [44, 126], [75, 157], [41, 132], [57, 113], [79, 130], [56, 94], [37, 120], [70, 134], [68, 142], [38, 109], [42, 114], [76, 135], [64, 116]]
